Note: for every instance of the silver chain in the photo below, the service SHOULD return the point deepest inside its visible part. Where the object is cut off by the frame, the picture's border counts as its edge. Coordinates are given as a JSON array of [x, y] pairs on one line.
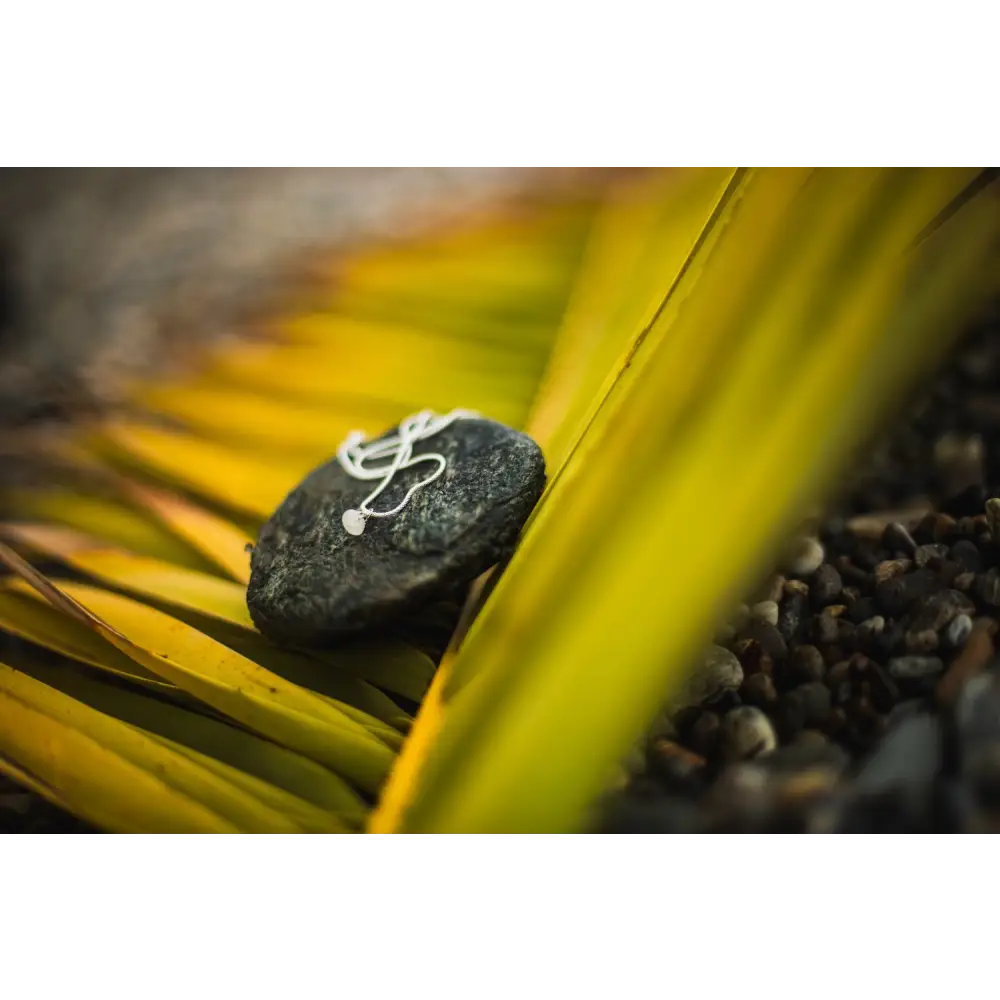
[[355, 452]]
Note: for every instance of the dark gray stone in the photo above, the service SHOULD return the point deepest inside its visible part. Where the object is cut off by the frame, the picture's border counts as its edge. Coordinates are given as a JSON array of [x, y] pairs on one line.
[[311, 581]]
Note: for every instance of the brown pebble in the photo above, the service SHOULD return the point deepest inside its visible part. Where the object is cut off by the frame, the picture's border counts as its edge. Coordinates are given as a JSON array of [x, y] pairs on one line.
[[753, 657], [824, 629], [806, 664], [935, 527], [872, 626], [891, 568], [758, 690], [768, 636], [944, 527], [796, 587], [924, 641], [978, 651]]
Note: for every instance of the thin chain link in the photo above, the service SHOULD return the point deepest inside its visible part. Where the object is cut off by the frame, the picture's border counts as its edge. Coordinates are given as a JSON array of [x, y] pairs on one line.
[[355, 454]]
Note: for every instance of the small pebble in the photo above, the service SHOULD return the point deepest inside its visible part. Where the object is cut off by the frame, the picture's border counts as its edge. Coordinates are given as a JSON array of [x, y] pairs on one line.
[[747, 733], [824, 629], [806, 556], [967, 555], [758, 690], [872, 626], [890, 568], [753, 657], [765, 611], [915, 667], [958, 631], [769, 638], [987, 587], [718, 672], [815, 698], [791, 613], [799, 587], [993, 518], [825, 586], [925, 641], [805, 664]]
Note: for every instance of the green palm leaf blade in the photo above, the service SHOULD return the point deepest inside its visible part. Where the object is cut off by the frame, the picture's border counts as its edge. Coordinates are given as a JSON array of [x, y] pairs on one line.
[[766, 365]]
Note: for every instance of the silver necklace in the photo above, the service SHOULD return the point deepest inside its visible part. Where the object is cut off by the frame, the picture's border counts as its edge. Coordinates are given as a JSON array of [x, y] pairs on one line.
[[355, 452]]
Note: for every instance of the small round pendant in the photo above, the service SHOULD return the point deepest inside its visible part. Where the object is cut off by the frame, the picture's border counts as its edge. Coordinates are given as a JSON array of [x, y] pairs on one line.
[[353, 521]]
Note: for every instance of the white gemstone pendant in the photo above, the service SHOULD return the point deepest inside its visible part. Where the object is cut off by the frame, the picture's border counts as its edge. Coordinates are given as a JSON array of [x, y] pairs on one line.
[[353, 521]]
